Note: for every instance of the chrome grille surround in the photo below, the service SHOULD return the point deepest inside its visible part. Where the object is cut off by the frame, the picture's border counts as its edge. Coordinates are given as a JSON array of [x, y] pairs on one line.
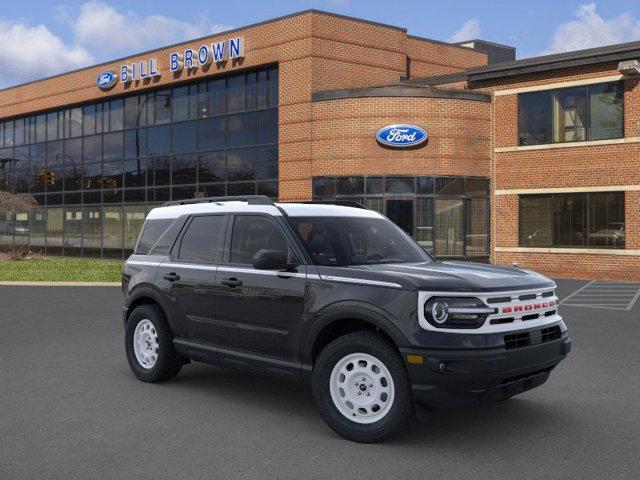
[[517, 324]]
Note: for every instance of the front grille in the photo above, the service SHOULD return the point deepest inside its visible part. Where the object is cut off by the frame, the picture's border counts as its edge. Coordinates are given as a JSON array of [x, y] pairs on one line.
[[528, 296], [497, 321], [499, 300], [517, 340], [551, 333]]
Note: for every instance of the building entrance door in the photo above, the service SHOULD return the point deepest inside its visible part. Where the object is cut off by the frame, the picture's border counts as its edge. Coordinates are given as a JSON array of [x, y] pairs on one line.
[[400, 212]]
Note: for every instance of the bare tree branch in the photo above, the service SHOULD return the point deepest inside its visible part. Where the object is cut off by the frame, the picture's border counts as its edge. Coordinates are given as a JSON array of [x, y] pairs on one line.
[[16, 202]]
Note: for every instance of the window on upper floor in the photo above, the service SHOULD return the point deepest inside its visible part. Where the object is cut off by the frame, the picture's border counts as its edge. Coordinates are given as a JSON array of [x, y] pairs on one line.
[[577, 114]]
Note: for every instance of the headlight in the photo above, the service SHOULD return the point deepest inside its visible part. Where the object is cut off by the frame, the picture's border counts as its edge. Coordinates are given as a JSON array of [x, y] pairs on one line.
[[456, 312]]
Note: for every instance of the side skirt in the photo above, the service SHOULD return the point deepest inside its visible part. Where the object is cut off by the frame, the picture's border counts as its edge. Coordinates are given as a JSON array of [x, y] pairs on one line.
[[289, 370]]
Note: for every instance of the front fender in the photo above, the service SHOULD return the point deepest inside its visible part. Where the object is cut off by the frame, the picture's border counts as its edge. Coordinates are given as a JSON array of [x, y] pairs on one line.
[[342, 310]]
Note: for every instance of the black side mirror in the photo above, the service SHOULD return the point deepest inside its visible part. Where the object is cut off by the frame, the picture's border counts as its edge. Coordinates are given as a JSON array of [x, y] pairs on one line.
[[271, 260]]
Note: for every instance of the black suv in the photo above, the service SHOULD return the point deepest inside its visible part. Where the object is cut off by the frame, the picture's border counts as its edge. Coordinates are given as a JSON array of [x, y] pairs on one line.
[[337, 296]]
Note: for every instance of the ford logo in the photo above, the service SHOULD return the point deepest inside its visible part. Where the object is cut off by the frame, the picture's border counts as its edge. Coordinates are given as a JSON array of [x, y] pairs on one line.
[[106, 80], [401, 136]]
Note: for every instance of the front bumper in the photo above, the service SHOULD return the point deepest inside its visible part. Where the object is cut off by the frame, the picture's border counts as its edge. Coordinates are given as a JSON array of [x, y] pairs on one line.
[[449, 379]]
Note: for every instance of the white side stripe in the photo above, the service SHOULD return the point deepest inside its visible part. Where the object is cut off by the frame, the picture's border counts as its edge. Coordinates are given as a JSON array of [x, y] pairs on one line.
[[359, 281]]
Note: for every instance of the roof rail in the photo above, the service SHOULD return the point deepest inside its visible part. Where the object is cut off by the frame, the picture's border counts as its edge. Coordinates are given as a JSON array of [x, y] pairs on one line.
[[250, 199], [342, 203]]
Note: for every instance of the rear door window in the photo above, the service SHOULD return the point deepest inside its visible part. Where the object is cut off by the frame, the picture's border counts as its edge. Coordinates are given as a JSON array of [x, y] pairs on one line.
[[203, 240]]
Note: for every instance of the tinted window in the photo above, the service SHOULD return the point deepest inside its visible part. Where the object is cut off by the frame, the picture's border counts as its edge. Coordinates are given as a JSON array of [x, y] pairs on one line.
[[536, 215], [573, 220], [606, 107], [204, 239], [340, 241], [211, 133], [594, 112], [152, 231], [570, 218], [252, 233]]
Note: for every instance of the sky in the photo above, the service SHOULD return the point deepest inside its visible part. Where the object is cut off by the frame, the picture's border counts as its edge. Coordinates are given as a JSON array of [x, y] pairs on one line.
[[39, 38]]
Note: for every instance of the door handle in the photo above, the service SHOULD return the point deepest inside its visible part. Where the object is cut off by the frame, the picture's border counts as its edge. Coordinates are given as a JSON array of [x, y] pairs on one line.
[[232, 282], [172, 277]]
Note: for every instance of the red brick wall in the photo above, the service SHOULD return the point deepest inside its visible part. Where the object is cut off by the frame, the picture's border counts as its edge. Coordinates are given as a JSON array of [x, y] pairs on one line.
[[429, 58], [344, 137], [564, 167]]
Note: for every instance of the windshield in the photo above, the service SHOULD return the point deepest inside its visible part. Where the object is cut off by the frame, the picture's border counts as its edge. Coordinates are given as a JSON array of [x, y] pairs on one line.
[[343, 241]]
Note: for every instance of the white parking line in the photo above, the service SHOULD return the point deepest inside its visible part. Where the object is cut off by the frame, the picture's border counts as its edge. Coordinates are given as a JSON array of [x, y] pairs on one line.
[[612, 296]]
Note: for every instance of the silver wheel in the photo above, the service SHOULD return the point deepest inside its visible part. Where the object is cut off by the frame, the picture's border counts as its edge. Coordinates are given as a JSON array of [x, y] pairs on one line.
[[145, 344], [361, 388]]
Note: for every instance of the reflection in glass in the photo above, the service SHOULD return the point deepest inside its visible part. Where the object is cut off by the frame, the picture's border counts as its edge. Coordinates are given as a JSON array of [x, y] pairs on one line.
[[54, 230], [211, 133], [72, 230], [112, 231], [71, 159], [449, 227], [477, 227], [241, 129], [184, 137], [241, 164], [37, 227], [133, 219], [424, 223], [91, 231]]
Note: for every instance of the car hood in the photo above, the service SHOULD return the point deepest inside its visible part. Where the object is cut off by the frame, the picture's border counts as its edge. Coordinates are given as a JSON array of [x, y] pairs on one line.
[[445, 276]]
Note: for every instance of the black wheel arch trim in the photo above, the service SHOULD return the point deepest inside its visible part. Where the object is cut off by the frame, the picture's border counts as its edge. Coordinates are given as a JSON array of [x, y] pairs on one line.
[[146, 291], [349, 310]]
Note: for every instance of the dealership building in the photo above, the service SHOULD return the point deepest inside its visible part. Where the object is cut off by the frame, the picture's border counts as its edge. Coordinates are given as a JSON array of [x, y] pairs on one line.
[[533, 162]]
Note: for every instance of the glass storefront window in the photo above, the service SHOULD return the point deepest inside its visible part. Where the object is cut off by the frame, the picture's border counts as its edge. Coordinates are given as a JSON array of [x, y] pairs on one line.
[[449, 227], [134, 216], [85, 164], [424, 223], [400, 185], [448, 216], [37, 227], [112, 232], [54, 230], [477, 232], [91, 231], [72, 230]]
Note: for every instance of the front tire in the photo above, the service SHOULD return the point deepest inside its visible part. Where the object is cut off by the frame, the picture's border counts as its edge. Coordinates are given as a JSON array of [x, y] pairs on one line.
[[149, 345], [361, 387]]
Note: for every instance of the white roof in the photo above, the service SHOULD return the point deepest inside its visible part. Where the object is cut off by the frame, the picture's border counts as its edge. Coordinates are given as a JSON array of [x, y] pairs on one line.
[[325, 210], [292, 209]]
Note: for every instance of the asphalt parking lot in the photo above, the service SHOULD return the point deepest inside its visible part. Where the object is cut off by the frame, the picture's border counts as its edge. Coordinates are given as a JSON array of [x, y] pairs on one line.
[[70, 408]]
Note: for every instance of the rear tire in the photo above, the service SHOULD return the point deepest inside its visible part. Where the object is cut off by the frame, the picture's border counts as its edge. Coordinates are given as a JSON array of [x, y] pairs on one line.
[[361, 387], [149, 345]]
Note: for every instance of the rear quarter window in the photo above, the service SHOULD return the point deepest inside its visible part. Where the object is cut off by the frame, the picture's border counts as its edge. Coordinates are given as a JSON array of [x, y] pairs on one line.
[[151, 233]]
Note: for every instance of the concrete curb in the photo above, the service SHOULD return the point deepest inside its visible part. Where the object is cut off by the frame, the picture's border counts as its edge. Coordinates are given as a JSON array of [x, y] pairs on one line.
[[61, 284]]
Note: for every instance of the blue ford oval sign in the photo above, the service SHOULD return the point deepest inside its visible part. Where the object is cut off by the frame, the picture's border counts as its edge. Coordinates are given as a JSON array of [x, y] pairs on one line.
[[106, 80], [401, 136]]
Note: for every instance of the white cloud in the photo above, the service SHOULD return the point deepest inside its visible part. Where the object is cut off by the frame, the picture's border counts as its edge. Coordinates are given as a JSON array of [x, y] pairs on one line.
[[28, 52], [98, 33], [104, 29], [469, 31], [591, 30]]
